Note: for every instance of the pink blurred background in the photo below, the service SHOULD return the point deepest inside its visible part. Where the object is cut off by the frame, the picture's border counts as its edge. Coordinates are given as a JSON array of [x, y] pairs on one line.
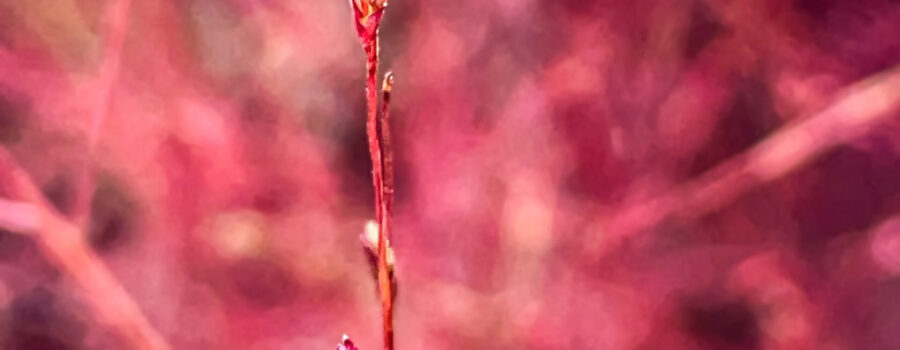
[[646, 174]]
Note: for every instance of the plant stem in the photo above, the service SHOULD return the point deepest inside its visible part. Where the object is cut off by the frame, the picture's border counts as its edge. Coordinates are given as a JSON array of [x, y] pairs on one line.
[[372, 122], [387, 151], [367, 16], [387, 189], [382, 210]]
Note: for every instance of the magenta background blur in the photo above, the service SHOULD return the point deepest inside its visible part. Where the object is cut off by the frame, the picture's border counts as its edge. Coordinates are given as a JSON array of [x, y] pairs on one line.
[[646, 174]]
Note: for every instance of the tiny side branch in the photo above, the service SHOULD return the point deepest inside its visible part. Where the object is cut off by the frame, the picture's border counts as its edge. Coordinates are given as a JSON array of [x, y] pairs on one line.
[[384, 275]]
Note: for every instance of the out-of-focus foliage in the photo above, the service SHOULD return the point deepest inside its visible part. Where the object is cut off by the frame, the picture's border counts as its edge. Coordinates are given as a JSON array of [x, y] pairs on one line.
[[232, 175]]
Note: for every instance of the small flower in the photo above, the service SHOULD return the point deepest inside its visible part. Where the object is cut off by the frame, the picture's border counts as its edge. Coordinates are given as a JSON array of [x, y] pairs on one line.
[[346, 344]]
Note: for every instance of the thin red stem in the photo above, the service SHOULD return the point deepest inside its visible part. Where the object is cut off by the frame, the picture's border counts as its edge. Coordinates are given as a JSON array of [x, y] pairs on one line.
[[387, 190], [372, 121], [386, 149], [381, 210], [367, 16]]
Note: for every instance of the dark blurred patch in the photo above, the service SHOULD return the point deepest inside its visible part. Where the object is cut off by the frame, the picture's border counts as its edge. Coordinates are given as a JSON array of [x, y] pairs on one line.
[[858, 33], [37, 322], [402, 165], [37, 342], [113, 212], [263, 284], [15, 246], [704, 27], [850, 190], [750, 118], [272, 199], [815, 10], [26, 263], [395, 33], [595, 173], [258, 114], [261, 117], [720, 322], [356, 183], [113, 208], [60, 190], [13, 118], [576, 7]]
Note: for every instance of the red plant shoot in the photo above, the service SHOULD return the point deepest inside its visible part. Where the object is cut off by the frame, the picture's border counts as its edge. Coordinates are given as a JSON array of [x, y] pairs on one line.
[[367, 18]]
